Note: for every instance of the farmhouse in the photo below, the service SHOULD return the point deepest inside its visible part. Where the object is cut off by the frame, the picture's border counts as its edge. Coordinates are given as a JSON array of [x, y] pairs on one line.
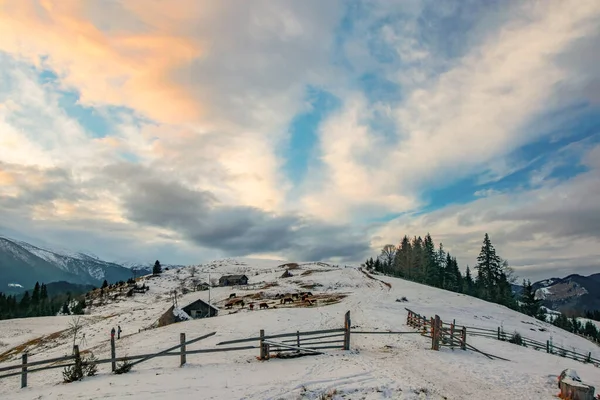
[[231, 280], [202, 286], [200, 309]]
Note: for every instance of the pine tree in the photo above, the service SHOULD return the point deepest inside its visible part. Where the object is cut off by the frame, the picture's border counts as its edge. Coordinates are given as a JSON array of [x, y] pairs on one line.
[[530, 305], [35, 296], [468, 284], [157, 269], [403, 258], [488, 271], [442, 261], [104, 284], [25, 304], [65, 308]]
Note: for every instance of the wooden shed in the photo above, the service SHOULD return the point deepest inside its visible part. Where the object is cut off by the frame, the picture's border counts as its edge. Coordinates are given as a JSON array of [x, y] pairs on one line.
[[200, 309], [232, 280]]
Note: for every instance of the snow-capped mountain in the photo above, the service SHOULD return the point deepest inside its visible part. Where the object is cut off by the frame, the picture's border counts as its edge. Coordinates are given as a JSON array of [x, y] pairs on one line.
[[24, 264], [573, 293]]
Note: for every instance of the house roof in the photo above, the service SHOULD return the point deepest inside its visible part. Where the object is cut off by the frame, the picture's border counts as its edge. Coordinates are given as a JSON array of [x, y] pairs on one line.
[[234, 276], [201, 301]]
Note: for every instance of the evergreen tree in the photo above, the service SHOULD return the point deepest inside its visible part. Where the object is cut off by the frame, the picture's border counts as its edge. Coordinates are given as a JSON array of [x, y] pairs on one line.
[[530, 305], [431, 268], [104, 284], [25, 304], [157, 269], [442, 262], [468, 283], [403, 258], [65, 308], [35, 296]]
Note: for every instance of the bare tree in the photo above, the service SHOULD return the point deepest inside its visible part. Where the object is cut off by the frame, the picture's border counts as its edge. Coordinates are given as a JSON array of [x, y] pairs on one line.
[[75, 326], [193, 270], [388, 253], [214, 282]]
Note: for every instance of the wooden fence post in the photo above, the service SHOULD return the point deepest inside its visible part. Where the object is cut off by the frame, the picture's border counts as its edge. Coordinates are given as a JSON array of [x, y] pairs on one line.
[[298, 338], [24, 371], [452, 334], [262, 344], [499, 333], [436, 328], [113, 354], [347, 325], [463, 345], [182, 356], [547, 346]]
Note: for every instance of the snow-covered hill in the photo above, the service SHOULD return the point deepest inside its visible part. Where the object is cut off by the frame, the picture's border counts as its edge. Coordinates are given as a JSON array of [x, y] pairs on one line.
[[378, 366]]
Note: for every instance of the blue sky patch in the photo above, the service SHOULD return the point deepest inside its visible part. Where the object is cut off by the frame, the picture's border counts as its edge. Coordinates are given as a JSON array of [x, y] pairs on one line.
[[304, 132]]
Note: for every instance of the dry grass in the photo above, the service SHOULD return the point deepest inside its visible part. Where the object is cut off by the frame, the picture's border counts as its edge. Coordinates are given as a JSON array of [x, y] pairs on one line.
[[270, 285], [290, 266], [31, 344], [310, 285]]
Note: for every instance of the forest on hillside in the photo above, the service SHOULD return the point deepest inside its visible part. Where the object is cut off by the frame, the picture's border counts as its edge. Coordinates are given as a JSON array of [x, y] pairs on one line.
[[419, 260]]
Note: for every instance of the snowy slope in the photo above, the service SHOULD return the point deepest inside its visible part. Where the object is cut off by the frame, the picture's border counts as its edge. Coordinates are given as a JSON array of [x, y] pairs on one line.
[[378, 366]]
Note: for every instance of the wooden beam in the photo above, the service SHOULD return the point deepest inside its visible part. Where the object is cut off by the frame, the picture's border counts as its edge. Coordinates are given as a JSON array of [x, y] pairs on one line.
[[280, 335]]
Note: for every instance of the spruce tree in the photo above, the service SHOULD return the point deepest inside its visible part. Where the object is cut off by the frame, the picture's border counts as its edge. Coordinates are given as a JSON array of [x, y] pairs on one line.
[[530, 305], [488, 271], [35, 296], [468, 283], [157, 269]]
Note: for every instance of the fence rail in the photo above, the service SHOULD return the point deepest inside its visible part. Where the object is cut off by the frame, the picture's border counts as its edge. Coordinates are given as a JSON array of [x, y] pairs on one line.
[[426, 327], [303, 342]]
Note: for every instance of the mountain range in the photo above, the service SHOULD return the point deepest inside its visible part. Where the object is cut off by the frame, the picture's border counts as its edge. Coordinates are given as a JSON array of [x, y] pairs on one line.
[[573, 294], [23, 264]]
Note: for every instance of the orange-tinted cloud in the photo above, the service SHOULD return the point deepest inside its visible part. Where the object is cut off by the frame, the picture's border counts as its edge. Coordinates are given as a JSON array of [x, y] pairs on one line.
[[105, 63], [6, 179]]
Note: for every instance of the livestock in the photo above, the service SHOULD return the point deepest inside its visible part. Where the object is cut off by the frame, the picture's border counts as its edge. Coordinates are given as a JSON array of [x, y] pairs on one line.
[[234, 303], [263, 305], [286, 300], [232, 295]]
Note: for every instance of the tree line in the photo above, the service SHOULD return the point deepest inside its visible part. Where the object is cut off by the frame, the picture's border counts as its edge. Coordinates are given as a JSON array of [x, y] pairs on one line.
[[38, 304], [419, 260]]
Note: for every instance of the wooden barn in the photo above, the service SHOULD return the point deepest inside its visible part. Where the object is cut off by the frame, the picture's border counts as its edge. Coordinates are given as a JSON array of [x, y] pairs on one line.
[[232, 280], [200, 309]]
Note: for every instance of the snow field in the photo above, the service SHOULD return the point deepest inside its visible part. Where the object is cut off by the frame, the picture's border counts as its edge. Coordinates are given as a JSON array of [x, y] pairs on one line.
[[377, 367]]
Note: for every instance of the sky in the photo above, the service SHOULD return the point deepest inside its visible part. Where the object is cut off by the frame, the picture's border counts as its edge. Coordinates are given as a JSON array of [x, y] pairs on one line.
[[192, 130]]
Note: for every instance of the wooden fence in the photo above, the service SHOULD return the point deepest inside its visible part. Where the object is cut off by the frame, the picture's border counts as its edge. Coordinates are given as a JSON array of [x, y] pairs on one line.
[[548, 346], [450, 334], [440, 333], [312, 342]]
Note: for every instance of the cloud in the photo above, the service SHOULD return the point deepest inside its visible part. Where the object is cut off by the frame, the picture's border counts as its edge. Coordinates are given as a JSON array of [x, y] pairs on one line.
[[199, 217], [459, 121], [197, 99], [553, 227]]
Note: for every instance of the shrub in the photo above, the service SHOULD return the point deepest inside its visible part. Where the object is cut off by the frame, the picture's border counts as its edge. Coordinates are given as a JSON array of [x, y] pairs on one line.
[[516, 339], [90, 368], [123, 367]]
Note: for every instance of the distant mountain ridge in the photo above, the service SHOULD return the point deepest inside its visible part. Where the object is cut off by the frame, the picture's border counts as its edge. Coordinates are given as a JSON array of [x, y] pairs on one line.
[[24, 264], [574, 293]]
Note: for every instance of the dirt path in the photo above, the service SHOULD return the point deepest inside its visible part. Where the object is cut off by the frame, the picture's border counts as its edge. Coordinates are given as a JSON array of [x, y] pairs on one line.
[[388, 285]]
